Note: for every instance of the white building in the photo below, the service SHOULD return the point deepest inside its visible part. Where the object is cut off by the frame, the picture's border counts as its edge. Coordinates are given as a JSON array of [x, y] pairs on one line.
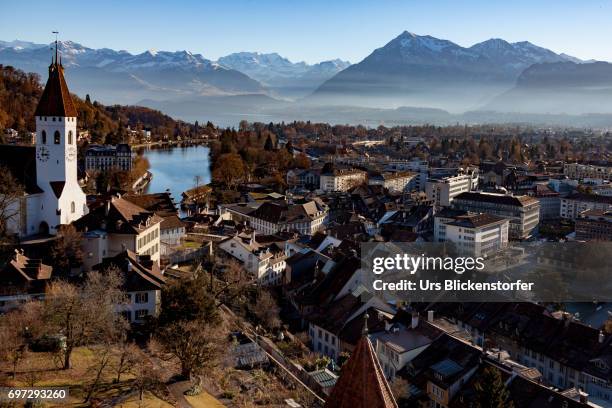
[[442, 191], [475, 234], [53, 194], [574, 204], [142, 283], [262, 261], [400, 181], [580, 171], [271, 217], [118, 225], [420, 167], [333, 179]]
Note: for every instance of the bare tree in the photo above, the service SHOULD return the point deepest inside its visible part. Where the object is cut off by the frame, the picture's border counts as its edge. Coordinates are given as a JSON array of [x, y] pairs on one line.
[[195, 344], [16, 328], [267, 311], [10, 192], [147, 376], [128, 356], [103, 355], [66, 250], [87, 314]]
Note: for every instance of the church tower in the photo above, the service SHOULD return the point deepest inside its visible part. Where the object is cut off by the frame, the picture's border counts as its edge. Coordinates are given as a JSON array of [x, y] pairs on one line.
[[62, 200]]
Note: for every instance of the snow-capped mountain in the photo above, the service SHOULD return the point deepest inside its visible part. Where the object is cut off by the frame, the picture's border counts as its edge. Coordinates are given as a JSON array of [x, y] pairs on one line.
[[121, 77], [281, 75], [414, 70]]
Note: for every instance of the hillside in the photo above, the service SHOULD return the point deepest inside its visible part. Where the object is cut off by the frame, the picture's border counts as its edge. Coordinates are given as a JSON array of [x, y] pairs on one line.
[[20, 92], [562, 87]]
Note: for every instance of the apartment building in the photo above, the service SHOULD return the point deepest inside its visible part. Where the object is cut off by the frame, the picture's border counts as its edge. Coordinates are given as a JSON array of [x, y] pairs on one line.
[[335, 179], [594, 225], [474, 234], [580, 171], [522, 211], [577, 203], [442, 191], [401, 181]]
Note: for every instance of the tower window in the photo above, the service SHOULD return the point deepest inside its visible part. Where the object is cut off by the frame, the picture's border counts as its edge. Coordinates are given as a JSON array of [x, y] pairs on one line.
[[44, 137], [56, 137], [72, 207], [70, 137], [54, 118]]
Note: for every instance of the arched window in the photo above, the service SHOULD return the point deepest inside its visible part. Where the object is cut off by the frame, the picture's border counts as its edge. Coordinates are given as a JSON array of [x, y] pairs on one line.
[[70, 137], [56, 137], [72, 207], [44, 137]]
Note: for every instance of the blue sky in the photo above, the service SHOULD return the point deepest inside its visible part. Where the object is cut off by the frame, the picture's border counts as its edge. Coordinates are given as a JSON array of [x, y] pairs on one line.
[[311, 30]]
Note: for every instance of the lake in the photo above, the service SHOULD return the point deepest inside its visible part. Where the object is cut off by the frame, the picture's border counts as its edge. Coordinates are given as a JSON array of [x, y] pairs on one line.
[[174, 168]]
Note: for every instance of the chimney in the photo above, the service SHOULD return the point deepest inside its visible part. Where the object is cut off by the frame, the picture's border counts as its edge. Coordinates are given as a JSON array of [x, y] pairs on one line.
[[601, 337], [415, 320], [430, 316]]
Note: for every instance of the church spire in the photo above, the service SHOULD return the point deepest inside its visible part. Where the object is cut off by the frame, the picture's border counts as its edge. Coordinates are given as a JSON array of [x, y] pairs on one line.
[[362, 383], [56, 99]]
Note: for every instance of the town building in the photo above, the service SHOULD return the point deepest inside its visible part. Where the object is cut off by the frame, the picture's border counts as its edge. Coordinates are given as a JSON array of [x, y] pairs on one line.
[[522, 211], [115, 225], [107, 157], [22, 279], [575, 204], [550, 201], [142, 282], [401, 181], [594, 225], [304, 178], [48, 171], [336, 327], [271, 217], [420, 167], [266, 262], [172, 230], [474, 234], [336, 179], [442, 191], [580, 171]]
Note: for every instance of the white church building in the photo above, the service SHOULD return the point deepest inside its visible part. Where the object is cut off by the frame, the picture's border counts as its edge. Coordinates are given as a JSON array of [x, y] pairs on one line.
[[52, 195]]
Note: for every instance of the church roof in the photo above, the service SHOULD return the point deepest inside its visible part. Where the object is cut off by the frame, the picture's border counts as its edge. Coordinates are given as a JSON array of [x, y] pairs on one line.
[[56, 99], [362, 383]]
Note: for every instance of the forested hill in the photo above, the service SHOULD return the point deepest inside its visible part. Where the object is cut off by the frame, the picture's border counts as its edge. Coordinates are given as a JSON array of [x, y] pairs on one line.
[[20, 92]]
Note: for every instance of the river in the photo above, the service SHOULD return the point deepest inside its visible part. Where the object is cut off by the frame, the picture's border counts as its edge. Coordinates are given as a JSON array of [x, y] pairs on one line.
[[175, 168]]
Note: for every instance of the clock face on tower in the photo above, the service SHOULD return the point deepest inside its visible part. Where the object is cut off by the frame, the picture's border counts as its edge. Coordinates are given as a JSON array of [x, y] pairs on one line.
[[42, 153], [71, 153]]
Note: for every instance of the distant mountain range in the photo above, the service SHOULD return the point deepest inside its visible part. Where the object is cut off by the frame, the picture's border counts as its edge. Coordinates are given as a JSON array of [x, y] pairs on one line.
[[410, 79], [286, 78], [413, 70], [121, 77]]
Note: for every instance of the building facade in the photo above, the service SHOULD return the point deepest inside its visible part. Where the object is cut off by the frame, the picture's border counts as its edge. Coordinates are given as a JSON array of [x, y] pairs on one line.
[[522, 211], [105, 158], [443, 191]]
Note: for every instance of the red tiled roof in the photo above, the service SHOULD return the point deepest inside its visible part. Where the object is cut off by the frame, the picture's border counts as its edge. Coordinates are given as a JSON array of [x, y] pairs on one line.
[[56, 99], [362, 383]]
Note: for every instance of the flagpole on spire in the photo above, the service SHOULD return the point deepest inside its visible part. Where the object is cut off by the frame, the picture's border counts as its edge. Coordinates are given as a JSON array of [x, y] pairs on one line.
[[56, 33]]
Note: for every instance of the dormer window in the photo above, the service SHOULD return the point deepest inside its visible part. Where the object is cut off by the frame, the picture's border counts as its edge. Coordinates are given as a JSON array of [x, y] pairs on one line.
[[56, 137]]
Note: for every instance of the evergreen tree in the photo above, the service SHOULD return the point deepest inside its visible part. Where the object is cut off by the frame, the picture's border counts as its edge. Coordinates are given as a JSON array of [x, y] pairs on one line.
[[491, 392], [269, 146]]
